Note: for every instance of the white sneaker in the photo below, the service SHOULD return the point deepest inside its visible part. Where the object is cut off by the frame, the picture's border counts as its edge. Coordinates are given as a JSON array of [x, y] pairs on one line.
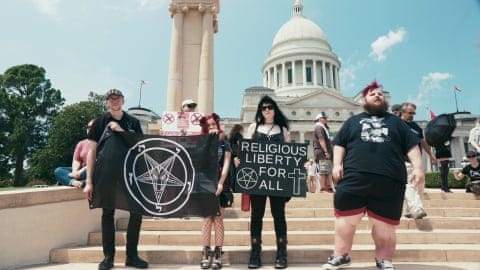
[[384, 264]]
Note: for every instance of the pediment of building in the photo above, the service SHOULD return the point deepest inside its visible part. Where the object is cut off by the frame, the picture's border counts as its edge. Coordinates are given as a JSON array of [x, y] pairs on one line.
[[323, 98]]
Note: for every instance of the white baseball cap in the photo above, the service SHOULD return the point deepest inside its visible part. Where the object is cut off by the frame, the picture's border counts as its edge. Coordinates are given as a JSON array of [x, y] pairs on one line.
[[188, 102], [321, 115]]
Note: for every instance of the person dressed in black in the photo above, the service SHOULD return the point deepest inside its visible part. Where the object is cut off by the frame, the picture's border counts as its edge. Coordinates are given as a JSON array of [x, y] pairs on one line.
[[270, 125], [472, 170], [443, 155], [118, 121]]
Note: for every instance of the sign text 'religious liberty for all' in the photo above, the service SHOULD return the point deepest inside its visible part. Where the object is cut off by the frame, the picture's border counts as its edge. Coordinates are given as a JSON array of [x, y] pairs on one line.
[[272, 168]]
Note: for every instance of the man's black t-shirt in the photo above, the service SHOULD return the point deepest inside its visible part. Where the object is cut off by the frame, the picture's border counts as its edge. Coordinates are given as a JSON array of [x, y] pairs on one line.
[[376, 145], [128, 123], [473, 173]]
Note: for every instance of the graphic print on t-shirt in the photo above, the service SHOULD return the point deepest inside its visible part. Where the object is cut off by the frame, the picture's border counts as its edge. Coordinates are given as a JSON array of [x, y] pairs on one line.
[[374, 129]]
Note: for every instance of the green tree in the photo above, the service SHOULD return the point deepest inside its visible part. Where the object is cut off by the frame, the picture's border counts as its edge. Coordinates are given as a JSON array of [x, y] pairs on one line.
[[27, 105], [68, 128]]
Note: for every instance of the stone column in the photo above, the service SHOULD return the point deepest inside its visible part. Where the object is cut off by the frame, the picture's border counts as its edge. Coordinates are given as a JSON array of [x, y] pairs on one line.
[[338, 79], [302, 136], [324, 74], [314, 72], [331, 75], [304, 72], [284, 80], [205, 83], [265, 79], [293, 73], [275, 78], [175, 77]]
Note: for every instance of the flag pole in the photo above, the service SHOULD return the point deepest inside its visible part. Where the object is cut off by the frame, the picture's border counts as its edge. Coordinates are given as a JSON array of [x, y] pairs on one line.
[[140, 98], [456, 104]]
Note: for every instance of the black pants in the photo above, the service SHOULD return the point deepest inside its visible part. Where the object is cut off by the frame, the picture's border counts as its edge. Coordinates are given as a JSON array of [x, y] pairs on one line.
[[277, 207], [108, 233], [444, 175]]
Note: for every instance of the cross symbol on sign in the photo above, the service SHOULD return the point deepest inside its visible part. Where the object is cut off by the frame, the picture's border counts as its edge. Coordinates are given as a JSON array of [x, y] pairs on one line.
[[195, 118], [297, 176], [168, 118]]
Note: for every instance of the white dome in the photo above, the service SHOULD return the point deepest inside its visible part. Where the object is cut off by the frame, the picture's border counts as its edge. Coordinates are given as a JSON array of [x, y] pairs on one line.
[[298, 28]]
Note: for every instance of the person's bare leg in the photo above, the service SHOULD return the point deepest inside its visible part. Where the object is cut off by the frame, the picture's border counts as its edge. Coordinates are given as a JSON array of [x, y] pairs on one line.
[[385, 239], [344, 231]]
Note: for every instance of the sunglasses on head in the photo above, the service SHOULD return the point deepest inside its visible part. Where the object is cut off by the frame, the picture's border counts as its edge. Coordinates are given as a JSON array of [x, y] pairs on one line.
[[267, 107], [191, 106]]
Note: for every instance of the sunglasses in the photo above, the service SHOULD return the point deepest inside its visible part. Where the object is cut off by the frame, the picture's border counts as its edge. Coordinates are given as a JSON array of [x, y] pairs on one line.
[[267, 107], [89, 126]]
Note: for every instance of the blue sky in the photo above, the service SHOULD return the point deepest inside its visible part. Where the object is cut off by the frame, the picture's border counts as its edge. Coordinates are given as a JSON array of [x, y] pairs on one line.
[[419, 50]]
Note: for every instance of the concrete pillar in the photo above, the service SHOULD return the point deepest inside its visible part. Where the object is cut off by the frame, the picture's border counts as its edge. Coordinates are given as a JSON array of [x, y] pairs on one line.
[[338, 79], [324, 74], [293, 73], [275, 77], [205, 83], [302, 136], [175, 70], [284, 74], [304, 72], [331, 75], [314, 72]]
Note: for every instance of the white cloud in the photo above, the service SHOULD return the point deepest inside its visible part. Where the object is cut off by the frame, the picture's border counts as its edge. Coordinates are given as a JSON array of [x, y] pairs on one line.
[[152, 4], [430, 85], [48, 7], [348, 75], [385, 43]]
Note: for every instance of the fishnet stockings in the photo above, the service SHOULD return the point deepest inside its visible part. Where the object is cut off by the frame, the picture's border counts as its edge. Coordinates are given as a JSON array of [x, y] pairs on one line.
[[217, 223]]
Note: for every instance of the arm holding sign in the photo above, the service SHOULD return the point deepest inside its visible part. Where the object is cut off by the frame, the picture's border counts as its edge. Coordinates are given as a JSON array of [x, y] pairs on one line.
[[225, 169]]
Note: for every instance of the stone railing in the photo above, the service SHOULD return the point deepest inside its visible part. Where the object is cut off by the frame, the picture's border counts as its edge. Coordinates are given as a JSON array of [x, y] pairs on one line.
[[34, 221]]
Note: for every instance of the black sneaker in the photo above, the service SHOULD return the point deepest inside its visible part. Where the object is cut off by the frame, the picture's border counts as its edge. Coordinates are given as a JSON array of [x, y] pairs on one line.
[[383, 264], [337, 262], [106, 264], [136, 262]]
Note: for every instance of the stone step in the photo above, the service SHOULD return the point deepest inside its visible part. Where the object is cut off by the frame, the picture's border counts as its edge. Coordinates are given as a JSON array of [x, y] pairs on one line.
[[355, 265], [305, 203], [428, 195], [242, 238], [303, 224], [297, 254], [328, 212]]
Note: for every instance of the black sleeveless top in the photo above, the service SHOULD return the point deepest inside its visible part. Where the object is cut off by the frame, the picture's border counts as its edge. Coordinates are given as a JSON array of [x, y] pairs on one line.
[[272, 138]]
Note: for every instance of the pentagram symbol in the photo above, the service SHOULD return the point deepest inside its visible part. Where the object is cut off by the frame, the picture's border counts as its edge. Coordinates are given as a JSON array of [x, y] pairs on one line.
[[247, 178], [168, 118], [195, 118], [159, 175]]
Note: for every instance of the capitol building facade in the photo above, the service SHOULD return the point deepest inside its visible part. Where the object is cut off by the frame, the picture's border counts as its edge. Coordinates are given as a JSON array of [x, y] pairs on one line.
[[302, 73]]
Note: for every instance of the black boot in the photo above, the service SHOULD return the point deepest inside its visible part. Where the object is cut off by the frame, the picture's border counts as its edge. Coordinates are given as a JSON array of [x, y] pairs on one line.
[[217, 258], [206, 261], [281, 260], [255, 254]]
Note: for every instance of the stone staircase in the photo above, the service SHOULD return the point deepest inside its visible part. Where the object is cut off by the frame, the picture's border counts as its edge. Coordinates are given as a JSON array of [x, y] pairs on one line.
[[450, 233]]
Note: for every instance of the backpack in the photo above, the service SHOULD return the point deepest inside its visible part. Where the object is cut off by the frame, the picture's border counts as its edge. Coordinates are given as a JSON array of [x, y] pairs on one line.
[[440, 129]]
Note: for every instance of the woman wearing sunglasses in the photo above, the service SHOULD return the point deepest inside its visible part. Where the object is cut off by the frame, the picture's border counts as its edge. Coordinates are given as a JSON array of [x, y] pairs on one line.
[[270, 125]]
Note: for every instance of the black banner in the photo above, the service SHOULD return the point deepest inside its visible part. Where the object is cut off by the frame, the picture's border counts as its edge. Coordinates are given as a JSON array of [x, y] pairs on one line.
[[157, 175], [272, 168]]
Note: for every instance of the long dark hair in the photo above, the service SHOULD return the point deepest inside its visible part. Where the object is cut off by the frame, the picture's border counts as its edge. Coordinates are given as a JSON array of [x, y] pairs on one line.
[[235, 134], [279, 117]]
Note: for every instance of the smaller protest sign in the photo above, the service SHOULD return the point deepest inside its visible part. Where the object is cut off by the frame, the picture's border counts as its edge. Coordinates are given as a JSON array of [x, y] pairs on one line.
[[181, 123]]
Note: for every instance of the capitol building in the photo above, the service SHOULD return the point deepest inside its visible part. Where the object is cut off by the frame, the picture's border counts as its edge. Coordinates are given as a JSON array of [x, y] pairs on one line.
[[302, 73]]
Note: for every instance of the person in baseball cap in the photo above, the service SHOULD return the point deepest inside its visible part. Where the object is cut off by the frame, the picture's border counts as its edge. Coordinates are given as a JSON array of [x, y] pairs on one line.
[[321, 115], [113, 92], [188, 105]]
